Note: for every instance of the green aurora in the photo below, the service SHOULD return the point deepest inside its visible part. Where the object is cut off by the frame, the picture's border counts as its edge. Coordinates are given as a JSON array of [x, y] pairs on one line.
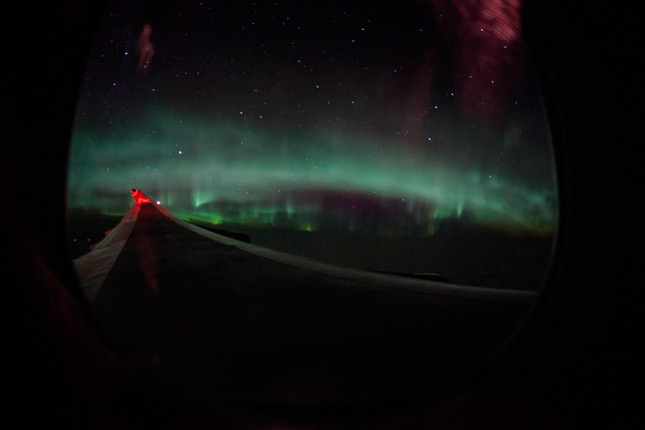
[[188, 163]]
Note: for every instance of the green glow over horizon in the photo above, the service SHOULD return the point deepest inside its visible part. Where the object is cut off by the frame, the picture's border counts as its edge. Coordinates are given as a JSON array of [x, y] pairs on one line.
[[187, 163]]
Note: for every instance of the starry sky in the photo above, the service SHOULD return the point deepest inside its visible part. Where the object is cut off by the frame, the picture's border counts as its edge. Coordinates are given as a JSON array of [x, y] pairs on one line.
[[386, 117]]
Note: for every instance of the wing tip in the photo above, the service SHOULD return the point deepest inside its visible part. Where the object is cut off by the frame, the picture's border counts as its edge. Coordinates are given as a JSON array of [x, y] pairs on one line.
[[139, 197]]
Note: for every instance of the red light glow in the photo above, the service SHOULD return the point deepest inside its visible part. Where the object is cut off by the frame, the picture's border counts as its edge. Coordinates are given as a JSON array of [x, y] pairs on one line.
[[139, 197]]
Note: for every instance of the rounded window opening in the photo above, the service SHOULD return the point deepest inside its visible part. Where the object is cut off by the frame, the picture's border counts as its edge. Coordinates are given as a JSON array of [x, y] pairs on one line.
[[400, 152]]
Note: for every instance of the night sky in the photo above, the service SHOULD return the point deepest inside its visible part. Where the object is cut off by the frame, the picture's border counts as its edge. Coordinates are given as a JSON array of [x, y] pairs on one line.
[[389, 117]]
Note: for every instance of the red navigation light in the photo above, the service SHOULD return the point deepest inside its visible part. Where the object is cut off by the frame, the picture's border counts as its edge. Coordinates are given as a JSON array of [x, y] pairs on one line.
[[139, 197]]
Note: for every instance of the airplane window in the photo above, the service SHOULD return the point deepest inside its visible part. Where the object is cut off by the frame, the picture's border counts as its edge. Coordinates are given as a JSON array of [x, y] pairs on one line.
[[406, 140]]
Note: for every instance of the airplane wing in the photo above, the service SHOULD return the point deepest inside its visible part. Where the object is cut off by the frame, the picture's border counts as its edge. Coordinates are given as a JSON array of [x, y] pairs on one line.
[[258, 324]]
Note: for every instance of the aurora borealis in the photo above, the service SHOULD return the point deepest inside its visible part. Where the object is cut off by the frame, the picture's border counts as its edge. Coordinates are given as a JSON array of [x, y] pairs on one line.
[[302, 116]]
